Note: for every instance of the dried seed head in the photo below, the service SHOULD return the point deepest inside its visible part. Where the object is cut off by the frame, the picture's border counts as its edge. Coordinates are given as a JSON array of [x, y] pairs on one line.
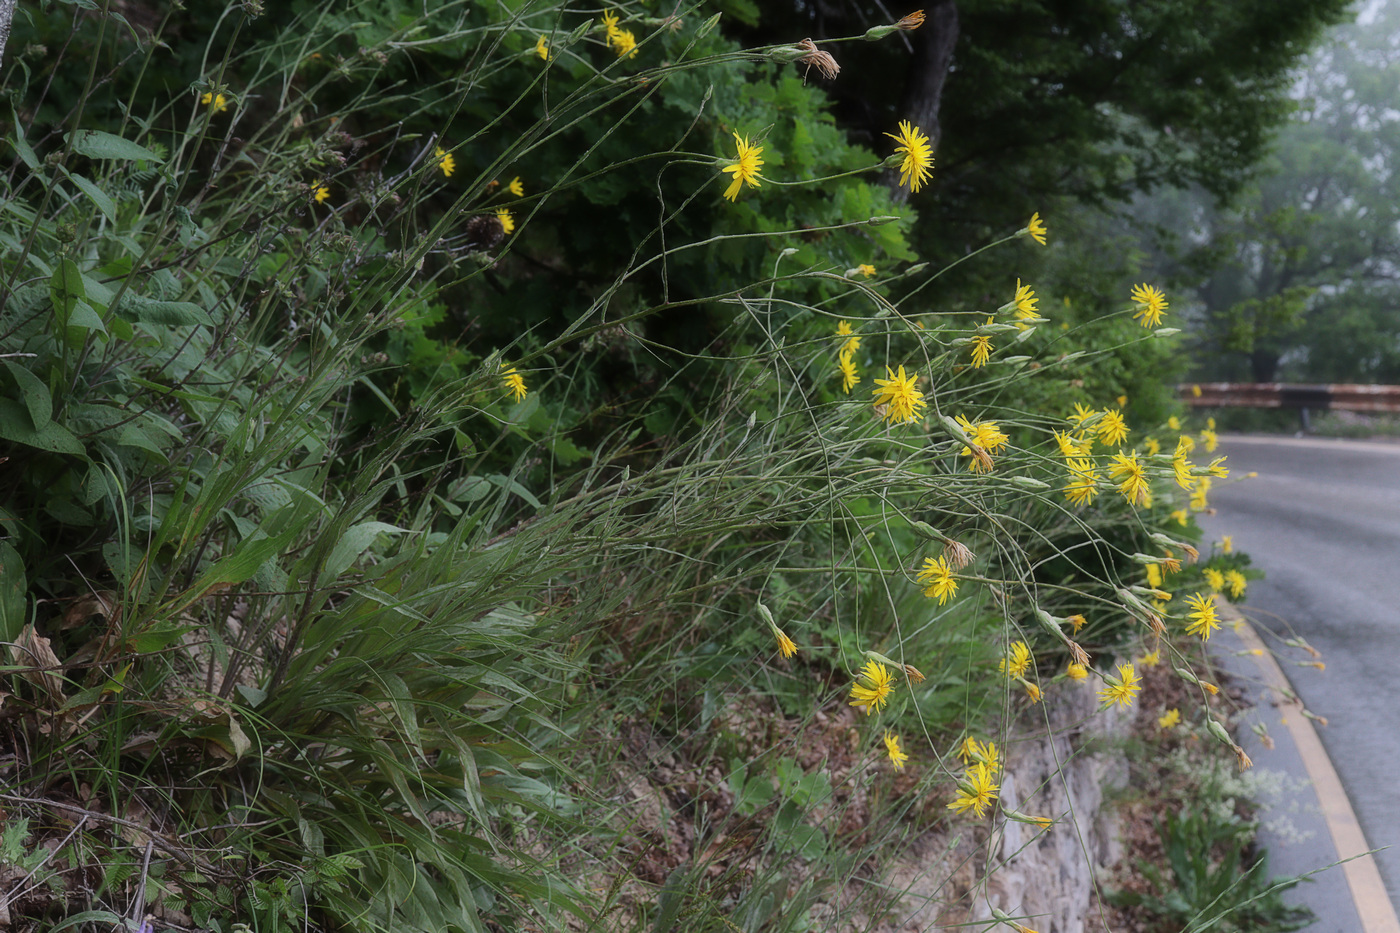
[[1078, 653], [911, 22], [914, 674], [956, 555], [815, 58]]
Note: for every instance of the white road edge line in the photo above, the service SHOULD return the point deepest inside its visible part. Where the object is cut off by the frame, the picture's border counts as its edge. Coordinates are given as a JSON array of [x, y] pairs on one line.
[[1363, 877]]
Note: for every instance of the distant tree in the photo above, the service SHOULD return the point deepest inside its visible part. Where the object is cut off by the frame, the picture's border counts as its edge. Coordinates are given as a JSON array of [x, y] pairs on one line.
[[1301, 277], [1094, 100]]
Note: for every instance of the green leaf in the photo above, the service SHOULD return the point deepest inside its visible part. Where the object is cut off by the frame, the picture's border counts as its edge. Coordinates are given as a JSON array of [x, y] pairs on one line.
[[66, 290], [83, 316], [16, 426], [22, 147], [354, 542], [36, 394], [99, 197], [14, 608], [96, 144], [510, 485], [133, 436], [173, 313]]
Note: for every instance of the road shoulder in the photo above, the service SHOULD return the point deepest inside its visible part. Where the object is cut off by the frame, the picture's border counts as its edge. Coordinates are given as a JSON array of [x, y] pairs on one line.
[[1357, 900]]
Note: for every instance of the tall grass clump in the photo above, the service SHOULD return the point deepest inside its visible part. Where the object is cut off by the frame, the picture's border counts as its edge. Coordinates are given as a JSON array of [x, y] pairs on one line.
[[444, 490]]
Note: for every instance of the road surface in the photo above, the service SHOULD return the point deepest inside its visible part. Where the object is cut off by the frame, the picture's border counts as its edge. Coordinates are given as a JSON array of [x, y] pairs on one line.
[[1322, 519]]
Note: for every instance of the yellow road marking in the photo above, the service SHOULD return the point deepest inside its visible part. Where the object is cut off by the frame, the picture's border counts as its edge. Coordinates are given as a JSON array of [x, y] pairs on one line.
[[1363, 878]]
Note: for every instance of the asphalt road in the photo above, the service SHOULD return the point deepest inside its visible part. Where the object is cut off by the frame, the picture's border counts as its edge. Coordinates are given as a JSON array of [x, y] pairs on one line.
[[1322, 519]]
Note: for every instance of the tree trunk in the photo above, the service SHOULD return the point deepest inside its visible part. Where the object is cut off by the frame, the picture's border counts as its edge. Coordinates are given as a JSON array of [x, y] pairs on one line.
[[1264, 363], [933, 55], [7, 13], [923, 90]]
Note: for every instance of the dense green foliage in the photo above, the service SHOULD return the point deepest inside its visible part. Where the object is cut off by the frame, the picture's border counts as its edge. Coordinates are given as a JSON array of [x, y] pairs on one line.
[[409, 449]]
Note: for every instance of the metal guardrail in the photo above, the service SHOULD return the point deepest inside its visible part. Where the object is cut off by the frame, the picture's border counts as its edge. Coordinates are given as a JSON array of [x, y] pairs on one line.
[[1343, 396]]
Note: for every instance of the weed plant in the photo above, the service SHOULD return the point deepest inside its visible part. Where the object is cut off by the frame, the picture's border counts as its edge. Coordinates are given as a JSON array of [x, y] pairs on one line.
[[434, 499]]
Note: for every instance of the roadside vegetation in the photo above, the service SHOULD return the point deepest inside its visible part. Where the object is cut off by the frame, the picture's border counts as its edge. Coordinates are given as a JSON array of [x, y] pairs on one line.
[[520, 467]]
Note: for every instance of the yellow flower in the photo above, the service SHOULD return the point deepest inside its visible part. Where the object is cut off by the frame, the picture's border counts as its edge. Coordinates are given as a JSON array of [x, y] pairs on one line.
[[1032, 691], [1196, 391], [846, 369], [1169, 719], [542, 48], [745, 167], [1214, 579], [918, 156], [507, 221], [1151, 659], [986, 753], [1081, 415], [981, 349], [1181, 517], [1184, 445], [1217, 468], [872, 689], [1121, 689], [1017, 660], [624, 43], [1131, 478], [1209, 439], [619, 40], [516, 187], [1154, 576], [1076, 622], [1069, 446], [1151, 302], [1112, 429], [1203, 618], [445, 161], [843, 329], [786, 646], [939, 579], [319, 191], [1024, 301], [967, 749], [1083, 482], [1035, 229], [1154, 446], [897, 393], [975, 791], [866, 269], [897, 756], [1236, 582], [1076, 671], [514, 382], [1174, 423], [1227, 543], [1198, 498], [1182, 467], [219, 101], [985, 434]]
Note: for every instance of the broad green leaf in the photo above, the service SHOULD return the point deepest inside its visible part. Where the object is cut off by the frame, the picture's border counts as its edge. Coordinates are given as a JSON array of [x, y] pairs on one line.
[[510, 485], [14, 608], [36, 394], [96, 144], [133, 436], [174, 313], [355, 542], [99, 197], [22, 147], [66, 290], [83, 316], [16, 426]]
